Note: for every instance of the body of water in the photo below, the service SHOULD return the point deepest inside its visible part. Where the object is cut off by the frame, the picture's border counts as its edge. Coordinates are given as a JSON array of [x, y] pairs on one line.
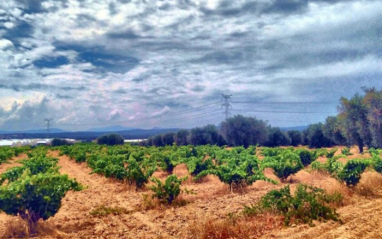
[[21, 142]]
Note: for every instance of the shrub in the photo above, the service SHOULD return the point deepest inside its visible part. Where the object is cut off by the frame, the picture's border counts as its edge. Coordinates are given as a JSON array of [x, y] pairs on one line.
[[286, 164], [168, 191], [34, 190], [240, 171], [330, 154], [196, 165], [332, 166], [306, 157], [346, 151], [307, 204], [351, 172], [138, 174], [378, 165]]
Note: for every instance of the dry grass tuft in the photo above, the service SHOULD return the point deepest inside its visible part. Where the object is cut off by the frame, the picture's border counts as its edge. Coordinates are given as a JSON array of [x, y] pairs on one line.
[[369, 184], [181, 170], [325, 181], [160, 174], [148, 203], [235, 228], [17, 228], [103, 210], [269, 173]]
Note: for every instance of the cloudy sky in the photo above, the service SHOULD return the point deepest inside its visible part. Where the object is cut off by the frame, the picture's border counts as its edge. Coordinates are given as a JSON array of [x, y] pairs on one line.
[[93, 63]]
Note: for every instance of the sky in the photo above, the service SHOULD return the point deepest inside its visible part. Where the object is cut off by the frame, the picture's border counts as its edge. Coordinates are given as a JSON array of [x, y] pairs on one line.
[[143, 64]]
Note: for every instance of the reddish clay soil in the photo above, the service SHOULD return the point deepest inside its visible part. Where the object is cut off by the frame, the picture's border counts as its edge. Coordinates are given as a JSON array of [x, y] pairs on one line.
[[361, 214]]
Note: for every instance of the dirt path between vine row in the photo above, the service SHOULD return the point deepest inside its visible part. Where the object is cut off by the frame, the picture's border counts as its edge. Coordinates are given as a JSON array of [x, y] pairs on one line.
[[75, 221], [362, 217]]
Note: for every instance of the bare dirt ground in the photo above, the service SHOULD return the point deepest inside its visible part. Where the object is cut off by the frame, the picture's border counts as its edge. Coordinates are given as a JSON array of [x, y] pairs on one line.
[[361, 215]]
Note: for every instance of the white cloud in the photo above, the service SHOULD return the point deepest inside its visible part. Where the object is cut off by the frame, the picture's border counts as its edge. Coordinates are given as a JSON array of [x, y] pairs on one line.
[[173, 55], [4, 44]]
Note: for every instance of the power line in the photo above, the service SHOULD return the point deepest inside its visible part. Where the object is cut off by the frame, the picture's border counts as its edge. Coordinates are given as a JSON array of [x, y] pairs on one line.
[[287, 112], [188, 111], [282, 102]]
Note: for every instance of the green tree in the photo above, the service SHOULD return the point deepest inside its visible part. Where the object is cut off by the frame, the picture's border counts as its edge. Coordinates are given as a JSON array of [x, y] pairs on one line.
[[111, 139], [59, 142], [315, 136], [353, 112], [244, 131], [332, 129], [295, 136], [373, 102], [204, 135], [277, 137], [168, 138], [181, 137]]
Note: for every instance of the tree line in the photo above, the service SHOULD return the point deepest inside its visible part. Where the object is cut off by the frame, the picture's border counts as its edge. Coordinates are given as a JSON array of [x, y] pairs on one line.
[[358, 122]]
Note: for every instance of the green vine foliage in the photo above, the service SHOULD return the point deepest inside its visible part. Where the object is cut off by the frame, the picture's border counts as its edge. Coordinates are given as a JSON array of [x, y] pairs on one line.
[[351, 172], [285, 164], [34, 190], [307, 204], [35, 165], [139, 174], [168, 191], [241, 171], [196, 165], [306, 156]]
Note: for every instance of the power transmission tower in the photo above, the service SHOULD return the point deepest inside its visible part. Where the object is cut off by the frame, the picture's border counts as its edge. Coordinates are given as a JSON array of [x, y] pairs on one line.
[[48, 124], [226, 103]]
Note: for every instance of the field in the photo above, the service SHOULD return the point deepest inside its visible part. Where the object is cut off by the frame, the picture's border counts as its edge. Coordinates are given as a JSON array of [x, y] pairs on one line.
[[110, 208]]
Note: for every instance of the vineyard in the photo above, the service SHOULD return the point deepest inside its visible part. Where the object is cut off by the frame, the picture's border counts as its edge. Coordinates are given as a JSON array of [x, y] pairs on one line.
[[125, 191]]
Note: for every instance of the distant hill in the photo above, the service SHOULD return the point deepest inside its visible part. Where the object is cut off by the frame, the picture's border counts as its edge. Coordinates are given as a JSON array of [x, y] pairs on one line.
[[114, 128], [87, 135], [33, 131], [42, 131]]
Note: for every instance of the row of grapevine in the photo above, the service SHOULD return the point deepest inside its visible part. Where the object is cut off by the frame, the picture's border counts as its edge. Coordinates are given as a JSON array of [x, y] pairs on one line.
[[6, 153], [34, 190], [350, 172], [233, 166]]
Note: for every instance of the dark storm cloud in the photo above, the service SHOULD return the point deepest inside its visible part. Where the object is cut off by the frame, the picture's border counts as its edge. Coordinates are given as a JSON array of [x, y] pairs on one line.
[[39, 86], [22, 29], [64, 97], [220, 57], [128, 34], [100, 57], [36, 6], [120, 91], [31, 6], [150, 58], [138, 80], [228, 8], [51, 62], [109, 62], [198, 88]]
